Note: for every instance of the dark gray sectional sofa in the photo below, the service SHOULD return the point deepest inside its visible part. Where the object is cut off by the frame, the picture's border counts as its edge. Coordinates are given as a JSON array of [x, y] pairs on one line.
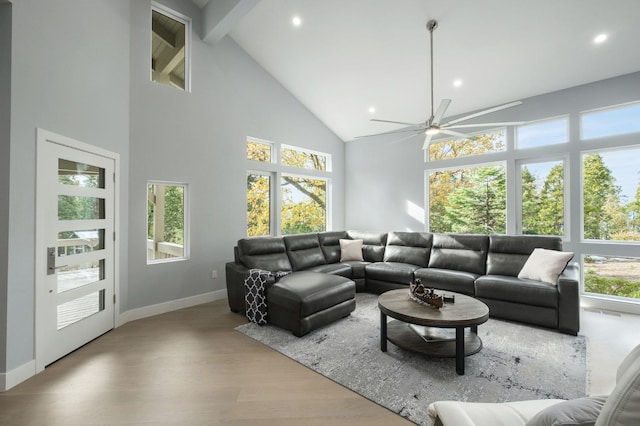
[[483, 266]]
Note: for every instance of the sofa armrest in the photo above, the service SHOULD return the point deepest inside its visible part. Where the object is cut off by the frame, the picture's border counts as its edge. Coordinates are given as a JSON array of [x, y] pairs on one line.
[[569, 299], [236, 274], [456, 413]]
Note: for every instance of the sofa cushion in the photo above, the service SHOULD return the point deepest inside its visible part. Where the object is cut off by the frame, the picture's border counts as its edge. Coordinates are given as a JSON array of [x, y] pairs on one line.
[[576, 412], [508, 253], [512, 289], [393, 272], [304, 251], [268, 253], [447, 279], [373, 244], [341, 269], [460, 252], [307, 292], [330, 244], [351, 250], [545, 265], [408, 247]]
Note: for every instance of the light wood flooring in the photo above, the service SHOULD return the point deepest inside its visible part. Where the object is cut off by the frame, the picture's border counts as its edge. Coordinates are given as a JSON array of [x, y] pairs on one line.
[[190, 367]]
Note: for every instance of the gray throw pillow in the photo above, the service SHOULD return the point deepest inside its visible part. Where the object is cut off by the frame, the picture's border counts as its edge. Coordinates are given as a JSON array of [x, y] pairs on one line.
[[574, 412]]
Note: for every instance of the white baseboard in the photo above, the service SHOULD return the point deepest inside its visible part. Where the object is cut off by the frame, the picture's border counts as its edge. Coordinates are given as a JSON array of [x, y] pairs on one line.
[[17, 375], [173, 305], [28, 370]]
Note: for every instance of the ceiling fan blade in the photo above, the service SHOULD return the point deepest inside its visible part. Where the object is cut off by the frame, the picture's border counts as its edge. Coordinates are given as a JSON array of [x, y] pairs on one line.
[[456, 134], [407, 137], [427, 141], [486, 111], [390, 133], [442, 108], [393, 122], [506, 123]]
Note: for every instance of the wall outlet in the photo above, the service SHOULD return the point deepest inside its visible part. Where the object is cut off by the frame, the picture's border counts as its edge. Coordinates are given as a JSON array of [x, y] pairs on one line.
[[214, 274]]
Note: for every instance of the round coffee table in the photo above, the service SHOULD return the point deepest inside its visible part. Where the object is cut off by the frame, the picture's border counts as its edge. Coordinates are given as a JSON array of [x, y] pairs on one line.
[[430, 331]]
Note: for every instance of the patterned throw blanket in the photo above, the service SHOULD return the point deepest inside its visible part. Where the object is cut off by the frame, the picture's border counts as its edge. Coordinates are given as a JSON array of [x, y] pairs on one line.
[[255, 298]]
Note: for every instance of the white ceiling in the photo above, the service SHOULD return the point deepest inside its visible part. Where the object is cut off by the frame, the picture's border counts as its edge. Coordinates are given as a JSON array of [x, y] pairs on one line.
[[349, 55]]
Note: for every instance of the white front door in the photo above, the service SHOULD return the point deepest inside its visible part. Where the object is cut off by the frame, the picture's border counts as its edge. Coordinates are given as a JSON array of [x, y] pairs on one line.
[[75, 250]]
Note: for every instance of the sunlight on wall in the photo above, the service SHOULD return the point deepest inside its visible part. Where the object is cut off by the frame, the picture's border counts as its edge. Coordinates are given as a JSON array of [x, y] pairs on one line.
[[415, 211]]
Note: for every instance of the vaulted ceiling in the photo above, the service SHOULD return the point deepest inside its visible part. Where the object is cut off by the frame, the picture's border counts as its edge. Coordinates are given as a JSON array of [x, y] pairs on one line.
[[348, 56]]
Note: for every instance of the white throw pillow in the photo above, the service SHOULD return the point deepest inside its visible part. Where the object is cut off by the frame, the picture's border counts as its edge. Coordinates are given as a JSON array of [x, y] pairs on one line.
[[545, 265], [350, 250]]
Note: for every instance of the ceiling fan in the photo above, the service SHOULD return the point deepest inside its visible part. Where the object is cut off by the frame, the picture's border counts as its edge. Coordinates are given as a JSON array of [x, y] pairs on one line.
[[433, 126]]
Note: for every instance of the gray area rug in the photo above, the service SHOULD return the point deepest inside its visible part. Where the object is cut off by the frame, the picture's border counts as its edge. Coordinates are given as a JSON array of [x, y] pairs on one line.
[[517, 362]]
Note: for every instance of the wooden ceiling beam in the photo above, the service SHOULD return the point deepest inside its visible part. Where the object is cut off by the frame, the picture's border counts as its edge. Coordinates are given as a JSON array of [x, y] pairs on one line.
[[164, 35]]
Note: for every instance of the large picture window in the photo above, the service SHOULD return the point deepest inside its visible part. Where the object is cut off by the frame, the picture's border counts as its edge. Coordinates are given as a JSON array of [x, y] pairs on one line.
[[611, 195], [542, 189], [303, 204], [468, 200]]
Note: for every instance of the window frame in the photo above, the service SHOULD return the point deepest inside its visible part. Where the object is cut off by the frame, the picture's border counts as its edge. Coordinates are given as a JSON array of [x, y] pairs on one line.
[[186, 251]]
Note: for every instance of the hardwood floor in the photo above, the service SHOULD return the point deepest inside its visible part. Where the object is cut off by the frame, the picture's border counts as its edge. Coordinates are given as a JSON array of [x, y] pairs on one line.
[[187, 367], [190, 367]]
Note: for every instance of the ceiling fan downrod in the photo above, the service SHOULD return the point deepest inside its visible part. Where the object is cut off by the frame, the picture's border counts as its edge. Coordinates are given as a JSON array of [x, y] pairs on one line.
[[432, 24]]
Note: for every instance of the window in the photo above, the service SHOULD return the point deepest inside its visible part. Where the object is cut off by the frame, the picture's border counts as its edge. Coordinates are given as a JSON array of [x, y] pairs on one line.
[[296, 157], [167, 235], [610, 121], [303, 205], [258, 204], [468, 200], [259, 151], [541, 133], [170, 44], [483, 143], [611, 195], [281, 200], [616, 276], [542, 189]]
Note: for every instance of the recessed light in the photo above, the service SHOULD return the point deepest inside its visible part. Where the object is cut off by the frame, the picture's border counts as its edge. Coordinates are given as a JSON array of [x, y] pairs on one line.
[[372, 110], [600, 38], [296, 21], [457, 83]]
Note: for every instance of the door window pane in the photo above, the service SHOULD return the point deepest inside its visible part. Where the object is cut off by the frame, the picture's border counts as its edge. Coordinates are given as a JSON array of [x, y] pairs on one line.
[[610, 122], [304, 205], [84, 241], [166, 230], [612, 276], [80, 308], [80, 174], [258, 205], [71, 207], [543, 198], [611, 195], [468, 200], [478, 144], [75, 276], [542, 133]]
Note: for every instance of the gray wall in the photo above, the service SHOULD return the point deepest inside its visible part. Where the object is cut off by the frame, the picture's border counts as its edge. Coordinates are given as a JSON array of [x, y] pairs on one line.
[[396, 169], [199, 138], [70, 75], [5, 126]]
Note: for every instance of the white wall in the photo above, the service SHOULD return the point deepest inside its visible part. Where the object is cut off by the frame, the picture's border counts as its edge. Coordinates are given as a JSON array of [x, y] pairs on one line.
[[395, 170], [199, 138], [70, 75]]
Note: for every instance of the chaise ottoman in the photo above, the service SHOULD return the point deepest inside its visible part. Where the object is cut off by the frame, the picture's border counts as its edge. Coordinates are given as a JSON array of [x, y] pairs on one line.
[[304, 301]]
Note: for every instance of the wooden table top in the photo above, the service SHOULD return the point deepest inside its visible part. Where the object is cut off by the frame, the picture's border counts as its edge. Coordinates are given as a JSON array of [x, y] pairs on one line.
[[465, 312]]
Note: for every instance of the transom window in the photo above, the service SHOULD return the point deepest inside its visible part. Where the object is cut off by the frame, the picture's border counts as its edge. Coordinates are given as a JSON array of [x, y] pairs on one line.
[[542, 133], [618, 120], [481, 143]]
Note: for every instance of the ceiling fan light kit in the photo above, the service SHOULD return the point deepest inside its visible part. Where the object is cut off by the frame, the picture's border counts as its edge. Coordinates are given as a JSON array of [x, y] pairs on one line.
[[432, 126]]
